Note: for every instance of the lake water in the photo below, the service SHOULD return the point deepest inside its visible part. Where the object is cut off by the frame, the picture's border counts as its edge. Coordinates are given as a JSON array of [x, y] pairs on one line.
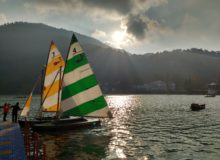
[[144, 127]]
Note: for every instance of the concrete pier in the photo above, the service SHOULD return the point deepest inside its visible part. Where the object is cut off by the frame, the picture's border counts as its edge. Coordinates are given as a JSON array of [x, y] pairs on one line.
[[11, 142]]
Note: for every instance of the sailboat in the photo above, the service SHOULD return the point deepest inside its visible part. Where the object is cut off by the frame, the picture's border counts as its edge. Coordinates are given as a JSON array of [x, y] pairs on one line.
[[50, 93], [81, 95]]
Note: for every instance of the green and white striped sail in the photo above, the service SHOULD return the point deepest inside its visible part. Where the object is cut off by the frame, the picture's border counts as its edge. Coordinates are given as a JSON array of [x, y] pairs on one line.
[[81, 94]]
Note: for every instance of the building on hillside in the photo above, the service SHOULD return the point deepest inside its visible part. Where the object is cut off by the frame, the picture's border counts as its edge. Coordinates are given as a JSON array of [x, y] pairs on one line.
[[156, 86], [213, 89]]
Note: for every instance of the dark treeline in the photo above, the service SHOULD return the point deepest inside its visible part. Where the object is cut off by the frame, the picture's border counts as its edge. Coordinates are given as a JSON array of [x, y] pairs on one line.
[[24, 48]]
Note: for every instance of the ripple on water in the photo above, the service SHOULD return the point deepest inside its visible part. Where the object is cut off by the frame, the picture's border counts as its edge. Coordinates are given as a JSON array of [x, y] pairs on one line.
[[145, 127]]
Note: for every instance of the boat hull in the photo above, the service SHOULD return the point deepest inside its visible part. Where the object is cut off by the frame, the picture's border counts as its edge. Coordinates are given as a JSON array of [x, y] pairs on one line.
[[30, 122], [197, 107], [66, 125]]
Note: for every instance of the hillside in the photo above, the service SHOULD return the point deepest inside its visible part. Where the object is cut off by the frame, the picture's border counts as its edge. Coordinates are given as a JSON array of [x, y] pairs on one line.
[[24, 48]]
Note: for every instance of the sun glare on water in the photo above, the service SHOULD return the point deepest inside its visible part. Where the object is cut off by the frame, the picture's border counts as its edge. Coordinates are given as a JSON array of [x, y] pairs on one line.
[[120, 101]]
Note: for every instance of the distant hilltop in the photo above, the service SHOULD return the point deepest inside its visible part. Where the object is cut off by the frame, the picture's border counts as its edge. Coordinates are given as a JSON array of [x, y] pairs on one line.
[[24, 48]]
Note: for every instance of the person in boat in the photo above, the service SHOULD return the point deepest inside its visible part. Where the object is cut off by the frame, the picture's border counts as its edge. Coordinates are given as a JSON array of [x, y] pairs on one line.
[[5, 111], [15, 110]]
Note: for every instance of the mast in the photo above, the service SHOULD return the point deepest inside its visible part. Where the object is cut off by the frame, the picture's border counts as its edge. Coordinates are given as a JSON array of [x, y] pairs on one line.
[[42, 84], [58, 99], [41, 93]]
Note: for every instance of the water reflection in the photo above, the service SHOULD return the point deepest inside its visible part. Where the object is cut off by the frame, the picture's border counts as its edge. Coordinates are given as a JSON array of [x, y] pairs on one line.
[[144, 127], [120, 128], [76, 145], [114, 140], [54, 144]]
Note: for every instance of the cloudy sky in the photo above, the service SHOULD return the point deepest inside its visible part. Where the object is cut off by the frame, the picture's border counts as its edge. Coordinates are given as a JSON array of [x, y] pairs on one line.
[[138, 26]]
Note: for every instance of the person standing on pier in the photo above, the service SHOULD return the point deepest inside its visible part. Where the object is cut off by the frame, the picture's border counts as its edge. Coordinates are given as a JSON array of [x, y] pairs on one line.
[[15, 109], [5, 111]]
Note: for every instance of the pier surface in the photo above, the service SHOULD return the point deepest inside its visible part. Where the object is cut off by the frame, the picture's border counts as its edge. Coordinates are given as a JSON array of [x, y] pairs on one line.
[[11, 142]]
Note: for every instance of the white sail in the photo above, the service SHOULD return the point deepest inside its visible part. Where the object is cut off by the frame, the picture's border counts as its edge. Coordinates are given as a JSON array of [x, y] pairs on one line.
[[52, 81], [81, 94], [27, 105]]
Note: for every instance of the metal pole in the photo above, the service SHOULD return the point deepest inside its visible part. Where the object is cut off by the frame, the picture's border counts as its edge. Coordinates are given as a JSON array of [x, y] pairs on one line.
[[58, 100], [44, 152], [27, 140], [42, 88], [35, 146]]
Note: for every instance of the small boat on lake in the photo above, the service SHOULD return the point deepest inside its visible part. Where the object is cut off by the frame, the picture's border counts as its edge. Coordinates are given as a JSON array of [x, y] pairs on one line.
[[197, 107], [50, 81], [72, 93]]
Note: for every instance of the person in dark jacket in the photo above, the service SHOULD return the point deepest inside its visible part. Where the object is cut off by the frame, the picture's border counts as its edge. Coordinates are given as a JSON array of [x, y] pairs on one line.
[[15, 109]]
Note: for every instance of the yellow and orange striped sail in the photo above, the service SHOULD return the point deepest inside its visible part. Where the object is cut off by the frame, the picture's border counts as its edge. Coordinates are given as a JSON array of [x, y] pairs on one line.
[[26, 109], [52, 81]]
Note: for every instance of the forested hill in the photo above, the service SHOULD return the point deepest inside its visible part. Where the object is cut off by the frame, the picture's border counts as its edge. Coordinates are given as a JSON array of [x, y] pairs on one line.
[[24, 48]]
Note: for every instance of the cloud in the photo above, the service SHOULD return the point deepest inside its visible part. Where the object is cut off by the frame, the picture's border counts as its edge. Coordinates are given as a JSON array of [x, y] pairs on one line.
[[136, 26], [3, 19], [150, 23], [121, 7], [133, 12], [98, 34], [181, 24], [95, 7], [45, 8]]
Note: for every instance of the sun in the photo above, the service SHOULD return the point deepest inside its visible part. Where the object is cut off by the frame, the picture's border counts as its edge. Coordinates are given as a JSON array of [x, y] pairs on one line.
[[118, 36]]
